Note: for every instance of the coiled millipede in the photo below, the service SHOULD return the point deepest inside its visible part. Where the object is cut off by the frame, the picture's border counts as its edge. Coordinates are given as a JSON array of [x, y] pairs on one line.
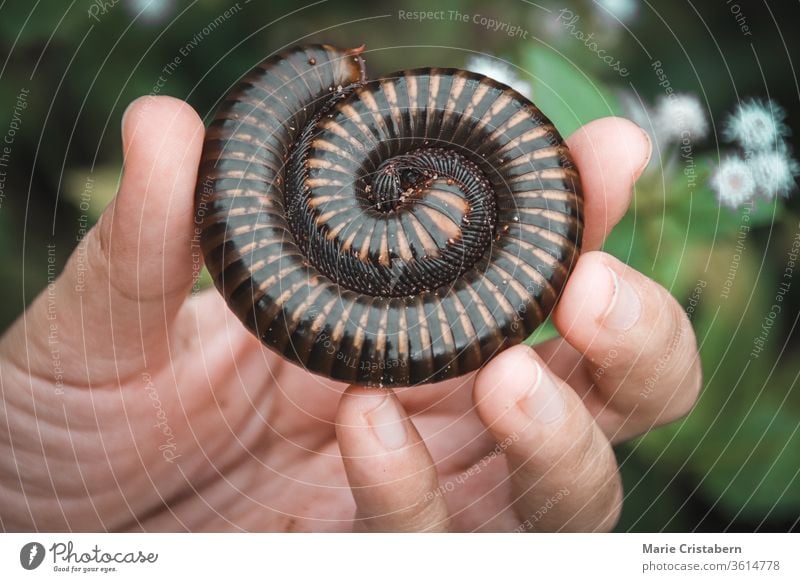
[[390, 232]]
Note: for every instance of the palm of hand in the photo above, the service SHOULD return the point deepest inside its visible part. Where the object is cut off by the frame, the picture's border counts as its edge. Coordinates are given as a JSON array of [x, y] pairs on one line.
[[260, 450]]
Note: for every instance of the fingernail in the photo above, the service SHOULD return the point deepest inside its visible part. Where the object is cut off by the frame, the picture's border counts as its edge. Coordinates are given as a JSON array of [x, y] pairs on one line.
[[649, 153], [543, 401], [122, 125], [146, 99], [387, 423], [125, 114], [625, 307]]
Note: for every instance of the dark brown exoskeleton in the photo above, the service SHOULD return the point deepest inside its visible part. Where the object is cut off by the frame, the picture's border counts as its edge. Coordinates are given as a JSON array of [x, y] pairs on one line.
[[389, 232]]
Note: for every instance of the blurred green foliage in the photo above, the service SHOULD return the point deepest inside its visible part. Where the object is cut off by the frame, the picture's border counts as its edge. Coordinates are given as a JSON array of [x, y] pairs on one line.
[[733, 462]]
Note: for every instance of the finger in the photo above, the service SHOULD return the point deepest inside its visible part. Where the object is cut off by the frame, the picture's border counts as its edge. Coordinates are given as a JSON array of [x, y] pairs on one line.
[[132, 271], [390, 470], [637, 344], [563, 472], [144, 237], [611, 154]]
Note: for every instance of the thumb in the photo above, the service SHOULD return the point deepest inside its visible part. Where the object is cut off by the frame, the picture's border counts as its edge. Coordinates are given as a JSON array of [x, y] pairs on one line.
[[130, 274]]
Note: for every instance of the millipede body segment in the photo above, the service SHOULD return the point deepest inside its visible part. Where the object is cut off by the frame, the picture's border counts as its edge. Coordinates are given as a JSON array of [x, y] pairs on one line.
[[389, 232]]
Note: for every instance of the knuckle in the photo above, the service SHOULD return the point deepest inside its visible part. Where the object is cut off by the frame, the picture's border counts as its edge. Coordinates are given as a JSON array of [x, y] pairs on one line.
[[611, 510], [99, 243], [592, 460], [91, 257], [602, 487], [100, 261], [669, 356], [689, 389], [587, 457], [426, 515], [679, 363]]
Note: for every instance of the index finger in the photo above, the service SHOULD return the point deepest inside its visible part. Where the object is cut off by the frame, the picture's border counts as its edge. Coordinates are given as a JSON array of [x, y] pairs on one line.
[[611, 153]]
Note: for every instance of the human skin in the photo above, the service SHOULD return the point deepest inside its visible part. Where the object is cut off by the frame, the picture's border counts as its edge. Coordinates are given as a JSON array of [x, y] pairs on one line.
[[170, 416]]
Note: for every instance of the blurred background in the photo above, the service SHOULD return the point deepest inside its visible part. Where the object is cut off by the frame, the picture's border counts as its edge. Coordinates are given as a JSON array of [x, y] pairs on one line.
[[68, 70]]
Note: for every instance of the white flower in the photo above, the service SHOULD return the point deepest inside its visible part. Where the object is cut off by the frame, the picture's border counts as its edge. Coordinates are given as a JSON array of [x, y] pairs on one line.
[[733, 182], [757, 125], [680, 115], [499, 71], [624, 10], [774, 172]]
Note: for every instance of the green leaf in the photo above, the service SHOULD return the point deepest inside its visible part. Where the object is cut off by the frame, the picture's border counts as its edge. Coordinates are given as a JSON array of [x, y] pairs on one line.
[[565, 93], [766, 212], [738, 439], [649, 505], [543, 333]]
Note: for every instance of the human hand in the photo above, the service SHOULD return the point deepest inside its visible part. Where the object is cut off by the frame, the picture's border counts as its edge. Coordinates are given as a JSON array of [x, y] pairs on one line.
[[168, 415]]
